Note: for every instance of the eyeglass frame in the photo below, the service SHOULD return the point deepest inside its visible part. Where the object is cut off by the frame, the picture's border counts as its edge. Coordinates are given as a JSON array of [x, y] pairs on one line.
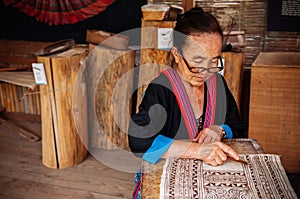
[[204, 69]]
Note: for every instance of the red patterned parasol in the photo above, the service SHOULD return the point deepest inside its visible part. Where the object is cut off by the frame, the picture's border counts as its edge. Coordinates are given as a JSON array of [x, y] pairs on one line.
[[60, 12]]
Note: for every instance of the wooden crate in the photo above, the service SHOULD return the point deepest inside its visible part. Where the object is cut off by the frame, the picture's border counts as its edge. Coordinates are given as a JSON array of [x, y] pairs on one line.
[[274, 111]]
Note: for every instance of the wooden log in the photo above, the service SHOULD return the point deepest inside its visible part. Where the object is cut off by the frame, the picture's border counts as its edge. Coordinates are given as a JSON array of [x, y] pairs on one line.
[[274, 106], [233, 73], [61, 143], [111, 104]]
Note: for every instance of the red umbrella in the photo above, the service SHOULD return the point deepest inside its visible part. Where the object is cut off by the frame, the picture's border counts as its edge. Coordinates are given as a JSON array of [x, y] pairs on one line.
[[60, 12]]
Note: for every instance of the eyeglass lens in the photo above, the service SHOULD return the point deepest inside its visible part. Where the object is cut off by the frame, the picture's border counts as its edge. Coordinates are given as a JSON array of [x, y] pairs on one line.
[[215, 66]]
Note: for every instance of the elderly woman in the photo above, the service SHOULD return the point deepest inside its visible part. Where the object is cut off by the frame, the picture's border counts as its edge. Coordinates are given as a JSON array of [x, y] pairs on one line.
[[188, 109], [190, 101]]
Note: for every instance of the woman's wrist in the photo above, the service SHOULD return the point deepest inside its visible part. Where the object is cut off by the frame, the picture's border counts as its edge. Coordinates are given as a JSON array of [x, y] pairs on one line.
[[223, 133], [227, 131], [192, 151]]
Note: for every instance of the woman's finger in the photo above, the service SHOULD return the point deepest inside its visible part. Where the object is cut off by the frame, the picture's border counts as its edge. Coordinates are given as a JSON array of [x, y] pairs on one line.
[[227, 149], [218, 160], [202, 137]]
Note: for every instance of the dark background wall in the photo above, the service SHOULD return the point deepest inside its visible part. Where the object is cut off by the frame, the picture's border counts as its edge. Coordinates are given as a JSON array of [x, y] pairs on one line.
[[120, 16]]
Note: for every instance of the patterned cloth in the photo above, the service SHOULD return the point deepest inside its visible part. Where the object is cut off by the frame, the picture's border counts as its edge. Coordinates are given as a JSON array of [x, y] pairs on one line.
[[56, 12], [262, 177]]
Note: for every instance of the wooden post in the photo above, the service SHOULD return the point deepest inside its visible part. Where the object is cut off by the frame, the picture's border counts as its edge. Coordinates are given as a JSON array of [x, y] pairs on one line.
[[62, 145], [233, 73], [111, 109], [151, 57]]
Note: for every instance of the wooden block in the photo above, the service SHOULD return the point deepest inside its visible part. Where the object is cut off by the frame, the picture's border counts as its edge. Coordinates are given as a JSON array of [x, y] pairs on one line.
[[110, 115], [274, 106], [155, 12], [62, 144]]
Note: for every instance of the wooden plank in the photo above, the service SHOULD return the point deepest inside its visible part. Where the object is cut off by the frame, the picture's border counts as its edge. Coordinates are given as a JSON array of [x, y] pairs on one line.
[[25, 79], [82, 176], [10, 97], [21, 97], [19, 188], [21, 162], [1, 97], [49, 116]]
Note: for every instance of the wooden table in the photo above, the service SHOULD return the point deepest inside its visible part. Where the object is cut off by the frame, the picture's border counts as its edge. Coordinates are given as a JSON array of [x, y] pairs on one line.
[[151, 174]]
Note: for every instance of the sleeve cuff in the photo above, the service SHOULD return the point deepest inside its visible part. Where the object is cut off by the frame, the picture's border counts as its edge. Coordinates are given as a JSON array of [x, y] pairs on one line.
[[159, 146], [229, 133]]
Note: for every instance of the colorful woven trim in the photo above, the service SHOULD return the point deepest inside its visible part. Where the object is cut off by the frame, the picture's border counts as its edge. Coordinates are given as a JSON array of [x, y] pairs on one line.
[[211, 101], [183, 101]]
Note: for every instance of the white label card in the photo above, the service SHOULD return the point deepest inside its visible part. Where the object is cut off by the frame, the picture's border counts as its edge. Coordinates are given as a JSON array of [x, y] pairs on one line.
[[39, 73], [165, 38]]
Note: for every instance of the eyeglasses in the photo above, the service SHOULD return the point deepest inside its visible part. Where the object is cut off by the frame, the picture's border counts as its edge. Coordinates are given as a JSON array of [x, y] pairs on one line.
[[216, 67]]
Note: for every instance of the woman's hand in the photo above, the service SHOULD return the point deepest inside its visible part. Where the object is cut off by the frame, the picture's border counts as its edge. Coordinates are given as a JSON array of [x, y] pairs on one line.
[[210, 134], [211, 153], [216, 153]]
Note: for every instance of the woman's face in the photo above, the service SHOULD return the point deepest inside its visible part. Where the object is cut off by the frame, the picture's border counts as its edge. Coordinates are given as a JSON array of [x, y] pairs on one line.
[[201, 50]]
